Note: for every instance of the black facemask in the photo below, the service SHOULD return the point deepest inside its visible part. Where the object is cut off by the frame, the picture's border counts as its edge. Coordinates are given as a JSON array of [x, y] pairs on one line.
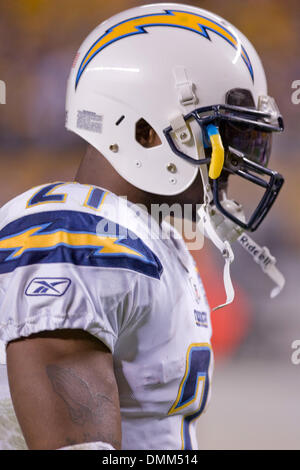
[[246, 135]]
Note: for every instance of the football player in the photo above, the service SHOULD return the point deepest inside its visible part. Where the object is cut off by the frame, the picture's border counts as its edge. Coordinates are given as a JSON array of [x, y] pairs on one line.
[[103, 313]]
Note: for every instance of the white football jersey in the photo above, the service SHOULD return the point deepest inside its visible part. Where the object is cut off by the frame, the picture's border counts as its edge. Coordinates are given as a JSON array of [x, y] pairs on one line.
[[78, 256]]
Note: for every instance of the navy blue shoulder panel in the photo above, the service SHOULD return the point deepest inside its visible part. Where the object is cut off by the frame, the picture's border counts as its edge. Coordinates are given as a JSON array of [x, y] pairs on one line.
[[74, 237]]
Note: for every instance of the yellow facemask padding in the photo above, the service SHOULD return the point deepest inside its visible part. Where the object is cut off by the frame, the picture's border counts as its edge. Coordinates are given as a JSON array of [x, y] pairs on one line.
[[217, 154]]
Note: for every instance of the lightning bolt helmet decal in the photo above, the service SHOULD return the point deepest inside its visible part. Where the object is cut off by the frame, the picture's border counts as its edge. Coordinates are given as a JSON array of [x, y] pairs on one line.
[[172, 18]]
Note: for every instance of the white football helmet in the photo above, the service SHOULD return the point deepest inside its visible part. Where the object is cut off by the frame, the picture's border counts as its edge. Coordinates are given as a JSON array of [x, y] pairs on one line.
[[199, 83], [171, 65]]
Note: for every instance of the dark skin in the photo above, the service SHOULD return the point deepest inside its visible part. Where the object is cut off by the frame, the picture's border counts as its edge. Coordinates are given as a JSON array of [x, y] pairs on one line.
[[62, 382], [64, 390], [95, 169]]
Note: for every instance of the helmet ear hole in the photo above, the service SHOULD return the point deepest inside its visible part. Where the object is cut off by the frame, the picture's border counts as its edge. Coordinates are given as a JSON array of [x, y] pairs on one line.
[[145, 135]]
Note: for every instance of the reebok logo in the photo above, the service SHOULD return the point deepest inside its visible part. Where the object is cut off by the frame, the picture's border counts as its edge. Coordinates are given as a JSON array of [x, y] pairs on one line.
[[51, 286]]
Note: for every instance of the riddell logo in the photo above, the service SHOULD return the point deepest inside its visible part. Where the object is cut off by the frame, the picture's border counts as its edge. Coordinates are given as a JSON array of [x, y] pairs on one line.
[[255, 251], [53, 286]]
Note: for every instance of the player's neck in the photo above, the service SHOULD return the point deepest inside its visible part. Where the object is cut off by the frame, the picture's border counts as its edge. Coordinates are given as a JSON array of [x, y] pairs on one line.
[[96, 170]]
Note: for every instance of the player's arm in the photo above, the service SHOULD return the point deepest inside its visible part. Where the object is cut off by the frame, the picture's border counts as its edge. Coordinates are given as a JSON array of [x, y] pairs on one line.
[[64, 390]]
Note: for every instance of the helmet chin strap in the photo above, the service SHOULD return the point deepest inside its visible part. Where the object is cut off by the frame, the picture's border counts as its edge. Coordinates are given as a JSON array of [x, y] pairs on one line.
[[210, 217], [221, 230], [224, 247]]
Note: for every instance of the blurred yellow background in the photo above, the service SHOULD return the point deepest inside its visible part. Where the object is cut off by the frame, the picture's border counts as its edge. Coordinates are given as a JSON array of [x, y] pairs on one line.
[[255, 395]]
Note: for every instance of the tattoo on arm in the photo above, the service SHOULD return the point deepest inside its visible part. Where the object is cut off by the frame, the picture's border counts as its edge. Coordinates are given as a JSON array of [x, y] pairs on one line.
[[83, 406]]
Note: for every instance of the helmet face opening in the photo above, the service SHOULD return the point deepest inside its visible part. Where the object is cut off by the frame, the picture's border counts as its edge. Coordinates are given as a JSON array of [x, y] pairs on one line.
[[246, 129], [246, 135], [268, 180], [240, 97], [254, 143]]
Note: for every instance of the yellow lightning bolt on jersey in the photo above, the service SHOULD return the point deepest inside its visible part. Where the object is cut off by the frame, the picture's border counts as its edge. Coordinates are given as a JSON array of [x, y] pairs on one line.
[[31, 239]]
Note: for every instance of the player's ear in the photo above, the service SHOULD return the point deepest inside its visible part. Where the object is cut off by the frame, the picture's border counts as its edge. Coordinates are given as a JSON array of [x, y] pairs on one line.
[[153, 140], [146, 135]]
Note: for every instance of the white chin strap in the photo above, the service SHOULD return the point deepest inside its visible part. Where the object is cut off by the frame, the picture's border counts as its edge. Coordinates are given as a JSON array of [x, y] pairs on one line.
[[225, 249]]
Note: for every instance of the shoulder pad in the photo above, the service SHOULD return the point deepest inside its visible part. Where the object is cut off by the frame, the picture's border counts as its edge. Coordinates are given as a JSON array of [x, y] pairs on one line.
[[52, 197]]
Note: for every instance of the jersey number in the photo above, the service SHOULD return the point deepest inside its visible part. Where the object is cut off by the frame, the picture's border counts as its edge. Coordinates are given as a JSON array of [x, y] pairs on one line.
[[196, 376], [93, 200]]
